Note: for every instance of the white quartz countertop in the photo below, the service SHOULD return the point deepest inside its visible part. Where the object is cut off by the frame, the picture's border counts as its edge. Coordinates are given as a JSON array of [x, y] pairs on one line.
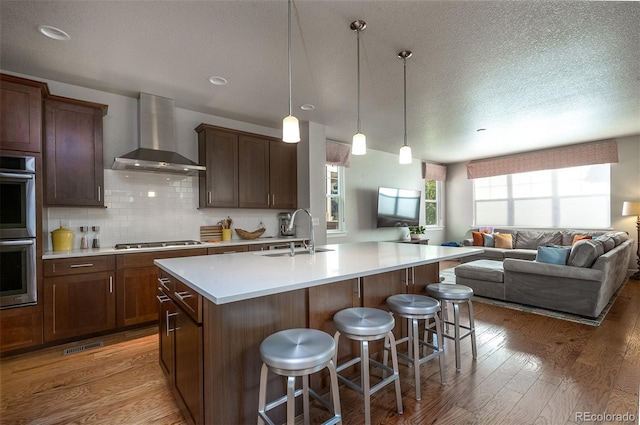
[[111, 250], [234, 277]]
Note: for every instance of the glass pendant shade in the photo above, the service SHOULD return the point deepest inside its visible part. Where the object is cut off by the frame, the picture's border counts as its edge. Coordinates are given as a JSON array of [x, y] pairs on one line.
[[290, 129], [405, 155], [359, 144]]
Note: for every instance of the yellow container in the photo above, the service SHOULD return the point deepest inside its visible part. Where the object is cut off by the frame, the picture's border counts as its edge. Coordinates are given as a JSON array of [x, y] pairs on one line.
[[62, 239], [226, 234]]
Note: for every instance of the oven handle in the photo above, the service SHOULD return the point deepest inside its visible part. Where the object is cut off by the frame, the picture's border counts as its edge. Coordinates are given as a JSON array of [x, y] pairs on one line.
[[16, 176], [18, 242]]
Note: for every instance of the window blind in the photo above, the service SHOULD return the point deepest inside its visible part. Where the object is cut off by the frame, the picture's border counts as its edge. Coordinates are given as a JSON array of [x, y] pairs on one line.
[[434, 171], [338, 153]]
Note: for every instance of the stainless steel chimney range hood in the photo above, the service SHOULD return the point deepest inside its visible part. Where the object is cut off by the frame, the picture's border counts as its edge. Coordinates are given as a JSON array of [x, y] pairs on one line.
[[157, 151]]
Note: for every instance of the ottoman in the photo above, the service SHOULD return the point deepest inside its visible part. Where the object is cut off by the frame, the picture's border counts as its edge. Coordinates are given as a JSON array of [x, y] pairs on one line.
[[485, 277]]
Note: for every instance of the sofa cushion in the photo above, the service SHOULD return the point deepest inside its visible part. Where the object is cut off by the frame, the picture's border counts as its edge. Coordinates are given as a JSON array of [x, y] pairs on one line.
[[607, 242], [553, 254], [521, 254], [577, 238], [488, 240], [504, 241], [530, 239], [585, 252], [478, 240], [488, 270]]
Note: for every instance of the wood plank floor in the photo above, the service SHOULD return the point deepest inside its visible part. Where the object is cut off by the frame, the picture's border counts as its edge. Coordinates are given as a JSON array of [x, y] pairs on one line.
[[530, 370]]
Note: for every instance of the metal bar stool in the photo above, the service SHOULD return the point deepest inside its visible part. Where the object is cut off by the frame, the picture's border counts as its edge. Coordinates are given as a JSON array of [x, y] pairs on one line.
[[292, 353], [455, 294], [366, 324], [413, 308]]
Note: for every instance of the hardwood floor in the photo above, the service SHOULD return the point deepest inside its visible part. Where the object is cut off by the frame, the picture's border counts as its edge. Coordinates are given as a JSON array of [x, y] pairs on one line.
[[530, 370]]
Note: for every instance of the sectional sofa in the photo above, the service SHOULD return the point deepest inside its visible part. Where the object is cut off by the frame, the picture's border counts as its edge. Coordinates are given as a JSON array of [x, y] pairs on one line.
[[579, 276]]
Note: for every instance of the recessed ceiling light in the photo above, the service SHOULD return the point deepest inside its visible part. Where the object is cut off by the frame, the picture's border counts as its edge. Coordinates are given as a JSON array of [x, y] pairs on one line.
[[53, 33], [218, 81], [307, 107]]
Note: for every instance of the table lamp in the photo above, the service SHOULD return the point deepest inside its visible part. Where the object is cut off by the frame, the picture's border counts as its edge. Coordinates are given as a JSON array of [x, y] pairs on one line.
[[633, 208]]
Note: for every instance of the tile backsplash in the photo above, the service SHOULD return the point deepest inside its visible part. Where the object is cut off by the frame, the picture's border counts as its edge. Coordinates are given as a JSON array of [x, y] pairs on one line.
[[147, 207]]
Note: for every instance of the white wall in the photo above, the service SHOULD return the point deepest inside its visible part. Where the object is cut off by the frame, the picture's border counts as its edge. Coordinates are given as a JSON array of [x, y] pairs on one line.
[[362, 179]]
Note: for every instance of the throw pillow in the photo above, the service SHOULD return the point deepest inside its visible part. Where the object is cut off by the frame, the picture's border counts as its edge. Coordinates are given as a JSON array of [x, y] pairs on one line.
[[553, 254], [577, 238], [503, 240], [478, 240], [585, 252], [489, 241]]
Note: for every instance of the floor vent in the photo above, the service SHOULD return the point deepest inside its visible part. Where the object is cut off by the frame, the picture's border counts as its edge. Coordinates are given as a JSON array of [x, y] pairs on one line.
[[80, 348]]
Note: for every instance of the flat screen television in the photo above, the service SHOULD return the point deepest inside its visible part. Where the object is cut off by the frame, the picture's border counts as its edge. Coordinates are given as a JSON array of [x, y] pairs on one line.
[[398, 207]]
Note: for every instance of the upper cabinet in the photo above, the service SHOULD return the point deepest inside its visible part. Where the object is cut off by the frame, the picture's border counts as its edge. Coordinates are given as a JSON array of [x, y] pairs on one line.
[[21, 113], [74, 174], [246, 170], [218, 151]]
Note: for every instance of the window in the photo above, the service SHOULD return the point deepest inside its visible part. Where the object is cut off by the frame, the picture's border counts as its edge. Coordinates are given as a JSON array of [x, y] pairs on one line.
[[432, 202], [335, 198], [576, 197]]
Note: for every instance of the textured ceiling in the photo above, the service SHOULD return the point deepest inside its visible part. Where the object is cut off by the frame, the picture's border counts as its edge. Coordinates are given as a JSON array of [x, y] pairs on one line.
[[533, 74]]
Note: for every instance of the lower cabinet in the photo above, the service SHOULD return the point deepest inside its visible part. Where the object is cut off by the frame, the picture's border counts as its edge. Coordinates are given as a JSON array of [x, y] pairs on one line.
[[78, 305], [79, 296], [181, 345]]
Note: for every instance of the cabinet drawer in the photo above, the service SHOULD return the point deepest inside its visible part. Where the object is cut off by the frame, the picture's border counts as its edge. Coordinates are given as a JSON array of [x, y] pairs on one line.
[[228, 249], [188, 299], [145, 259], [78, 265]]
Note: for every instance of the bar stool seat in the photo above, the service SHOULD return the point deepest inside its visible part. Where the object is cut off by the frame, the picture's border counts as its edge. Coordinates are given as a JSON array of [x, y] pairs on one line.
[[366, 324], [292, 353], [413, 308], [455, 294]]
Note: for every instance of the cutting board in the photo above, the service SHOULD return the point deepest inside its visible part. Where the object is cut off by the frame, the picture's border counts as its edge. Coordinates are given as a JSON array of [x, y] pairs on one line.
[[210, 233]]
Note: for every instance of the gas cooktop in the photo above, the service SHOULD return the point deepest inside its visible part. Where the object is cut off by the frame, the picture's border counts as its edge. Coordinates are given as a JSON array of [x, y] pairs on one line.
[[134, 245]]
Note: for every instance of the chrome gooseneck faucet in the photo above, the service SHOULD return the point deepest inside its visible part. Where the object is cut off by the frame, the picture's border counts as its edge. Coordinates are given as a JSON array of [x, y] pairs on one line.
[[312, 245]]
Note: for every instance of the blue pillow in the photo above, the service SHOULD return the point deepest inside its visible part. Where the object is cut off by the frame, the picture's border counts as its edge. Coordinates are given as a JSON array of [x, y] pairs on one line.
[[489, 240], [552, 254]]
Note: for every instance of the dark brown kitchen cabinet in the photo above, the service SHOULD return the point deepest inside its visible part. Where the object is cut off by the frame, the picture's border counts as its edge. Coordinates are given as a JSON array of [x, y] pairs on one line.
[[181, 344], [74, 174], [246, 170], [268, 173], [136, 285], [79, 296], [218, 151], [21, 113]]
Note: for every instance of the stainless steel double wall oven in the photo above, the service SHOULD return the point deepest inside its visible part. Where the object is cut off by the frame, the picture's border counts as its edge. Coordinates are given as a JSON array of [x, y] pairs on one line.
[[17, 231]]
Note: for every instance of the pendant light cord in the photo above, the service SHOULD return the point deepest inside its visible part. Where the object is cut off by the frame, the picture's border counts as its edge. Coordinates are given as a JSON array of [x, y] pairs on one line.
[[358, 50], [289, 59], [405, 101]]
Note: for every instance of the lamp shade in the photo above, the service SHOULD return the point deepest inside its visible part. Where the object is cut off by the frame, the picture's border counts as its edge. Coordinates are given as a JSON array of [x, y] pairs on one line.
[[290, 129], [631, 208], [359, 144], [405, 155]]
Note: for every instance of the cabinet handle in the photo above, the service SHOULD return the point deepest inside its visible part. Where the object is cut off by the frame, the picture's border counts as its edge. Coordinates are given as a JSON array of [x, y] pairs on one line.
[[163, 282], [75, 266], [183, 295], [358, 282], [99, 193], [111, 284], [162, 298], [268, 200], [209, 197], [273, 199], [169, 315]]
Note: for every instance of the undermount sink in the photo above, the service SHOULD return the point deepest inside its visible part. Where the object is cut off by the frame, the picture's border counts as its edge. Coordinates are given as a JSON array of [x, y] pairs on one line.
[[285, 252]]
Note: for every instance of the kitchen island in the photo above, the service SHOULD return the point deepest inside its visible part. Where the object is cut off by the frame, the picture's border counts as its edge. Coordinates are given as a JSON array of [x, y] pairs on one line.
[[216, 310]]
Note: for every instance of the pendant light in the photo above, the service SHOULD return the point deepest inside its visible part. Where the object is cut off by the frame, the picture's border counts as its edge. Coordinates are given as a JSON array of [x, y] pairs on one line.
[[405, 150], [290, 127], [359, 144]]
